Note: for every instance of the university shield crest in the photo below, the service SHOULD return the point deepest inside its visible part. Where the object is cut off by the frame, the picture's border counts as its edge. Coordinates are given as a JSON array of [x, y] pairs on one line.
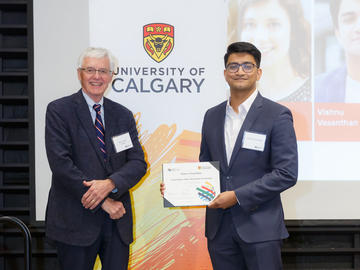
[[158, 40]]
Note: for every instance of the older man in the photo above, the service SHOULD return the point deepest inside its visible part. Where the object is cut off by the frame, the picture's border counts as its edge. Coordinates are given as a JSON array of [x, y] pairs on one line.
[[95, 158]]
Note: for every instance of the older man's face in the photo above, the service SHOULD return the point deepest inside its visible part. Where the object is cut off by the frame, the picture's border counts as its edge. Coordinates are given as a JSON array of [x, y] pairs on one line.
[[95, 85]]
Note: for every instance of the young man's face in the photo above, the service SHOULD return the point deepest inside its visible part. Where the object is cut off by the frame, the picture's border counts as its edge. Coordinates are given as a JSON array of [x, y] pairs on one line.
[[240, 80], [348, 32]]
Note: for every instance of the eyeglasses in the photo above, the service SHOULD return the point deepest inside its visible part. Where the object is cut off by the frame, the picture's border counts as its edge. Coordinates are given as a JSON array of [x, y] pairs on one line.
[[247, 67], [92, 71]]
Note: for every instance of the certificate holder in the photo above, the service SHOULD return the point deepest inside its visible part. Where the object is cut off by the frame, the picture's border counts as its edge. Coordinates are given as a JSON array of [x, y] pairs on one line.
[[191, 183]]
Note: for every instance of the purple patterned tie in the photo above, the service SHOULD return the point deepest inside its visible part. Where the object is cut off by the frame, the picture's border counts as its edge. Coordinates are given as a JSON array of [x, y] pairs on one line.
[[100, 130]]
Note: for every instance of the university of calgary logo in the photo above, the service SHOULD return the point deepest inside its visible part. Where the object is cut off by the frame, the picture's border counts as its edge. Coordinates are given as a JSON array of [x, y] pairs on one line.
[[158, 40]]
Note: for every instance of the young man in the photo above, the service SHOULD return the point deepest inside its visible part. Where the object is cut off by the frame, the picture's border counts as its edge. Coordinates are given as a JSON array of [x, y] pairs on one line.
[[254, 140], [89, 207]]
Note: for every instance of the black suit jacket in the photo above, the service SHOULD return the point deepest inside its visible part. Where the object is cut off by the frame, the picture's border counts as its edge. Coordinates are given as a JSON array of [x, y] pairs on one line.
[[74, 155]]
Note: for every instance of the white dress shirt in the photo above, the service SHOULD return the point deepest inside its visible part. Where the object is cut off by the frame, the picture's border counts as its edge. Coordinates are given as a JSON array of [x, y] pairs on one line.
[[234, 122]]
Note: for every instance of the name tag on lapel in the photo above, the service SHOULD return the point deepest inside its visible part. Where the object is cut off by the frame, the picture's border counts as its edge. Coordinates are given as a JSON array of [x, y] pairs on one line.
[[254, 141], [122, 142]]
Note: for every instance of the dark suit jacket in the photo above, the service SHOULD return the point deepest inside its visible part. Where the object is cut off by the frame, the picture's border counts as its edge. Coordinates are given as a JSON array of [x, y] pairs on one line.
[[74, 155], [330, 87], [257, 177]]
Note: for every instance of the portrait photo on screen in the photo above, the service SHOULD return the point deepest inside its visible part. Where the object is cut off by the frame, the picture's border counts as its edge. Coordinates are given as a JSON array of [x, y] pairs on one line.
[[337, 70], [281, 30], [337, 42]]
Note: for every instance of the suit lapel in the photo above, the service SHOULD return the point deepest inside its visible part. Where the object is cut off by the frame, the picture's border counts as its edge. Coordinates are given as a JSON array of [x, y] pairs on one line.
[[250, 118], [83, 113], [220, 122]]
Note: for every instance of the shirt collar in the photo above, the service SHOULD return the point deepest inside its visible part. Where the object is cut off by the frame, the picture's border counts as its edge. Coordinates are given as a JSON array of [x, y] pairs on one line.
[[90, 102], [245, 105]]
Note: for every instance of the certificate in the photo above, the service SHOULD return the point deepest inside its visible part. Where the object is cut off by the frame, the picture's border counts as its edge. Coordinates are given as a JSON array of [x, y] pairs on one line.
[[190, 184]]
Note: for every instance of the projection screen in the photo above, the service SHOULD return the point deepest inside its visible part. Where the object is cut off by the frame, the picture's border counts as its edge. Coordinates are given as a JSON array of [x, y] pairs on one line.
[[310, 64]]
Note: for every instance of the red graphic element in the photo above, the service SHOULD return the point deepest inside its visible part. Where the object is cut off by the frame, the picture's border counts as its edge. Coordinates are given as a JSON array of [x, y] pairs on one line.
[[211, 191]]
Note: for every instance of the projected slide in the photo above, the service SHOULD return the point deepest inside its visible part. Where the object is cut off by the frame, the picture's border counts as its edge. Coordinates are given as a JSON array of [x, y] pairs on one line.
[[170, 72], [170, 59]]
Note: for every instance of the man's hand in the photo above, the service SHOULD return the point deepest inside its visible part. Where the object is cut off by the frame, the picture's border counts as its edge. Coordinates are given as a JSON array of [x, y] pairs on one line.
[[115, 209], [98, 190], [162, 189], [224, 200]]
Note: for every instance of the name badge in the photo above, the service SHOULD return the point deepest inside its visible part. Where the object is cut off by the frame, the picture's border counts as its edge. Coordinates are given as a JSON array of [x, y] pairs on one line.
[[254, 141], [122, 142]]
